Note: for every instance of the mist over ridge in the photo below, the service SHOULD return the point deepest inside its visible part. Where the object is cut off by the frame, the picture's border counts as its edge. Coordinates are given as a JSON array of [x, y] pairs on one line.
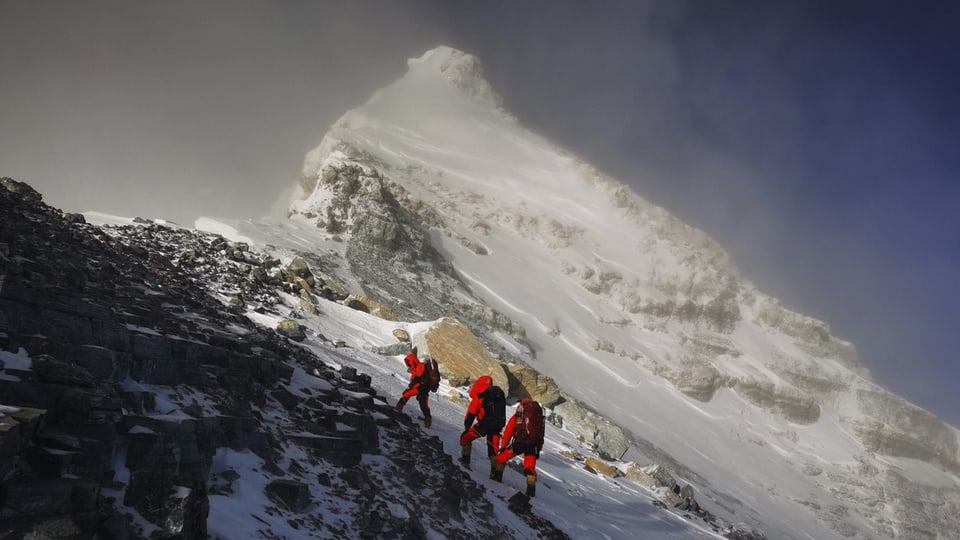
[[811, 141]]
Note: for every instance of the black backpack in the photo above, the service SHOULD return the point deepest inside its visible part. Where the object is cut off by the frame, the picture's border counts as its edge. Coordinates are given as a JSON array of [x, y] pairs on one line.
[[529, 429], [494, 408], [431, 374]]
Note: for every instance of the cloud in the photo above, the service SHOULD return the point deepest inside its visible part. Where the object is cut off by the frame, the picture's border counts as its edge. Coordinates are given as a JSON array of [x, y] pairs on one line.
[[132, 107], [812, 140]]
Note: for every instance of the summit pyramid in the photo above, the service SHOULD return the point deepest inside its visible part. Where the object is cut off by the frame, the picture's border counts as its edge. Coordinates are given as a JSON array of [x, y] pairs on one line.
[[642, 318]]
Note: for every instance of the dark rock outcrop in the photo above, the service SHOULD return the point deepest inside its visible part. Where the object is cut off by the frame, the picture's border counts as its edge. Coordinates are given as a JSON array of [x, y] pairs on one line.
[[136, 366]]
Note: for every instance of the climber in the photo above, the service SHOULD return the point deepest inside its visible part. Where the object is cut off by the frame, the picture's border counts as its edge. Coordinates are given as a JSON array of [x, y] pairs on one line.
[[523, 435], [487, 407], [418, 387]]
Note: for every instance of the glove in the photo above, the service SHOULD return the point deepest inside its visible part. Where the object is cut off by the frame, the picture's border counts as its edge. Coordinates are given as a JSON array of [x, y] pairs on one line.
[[468, 421], [538, 452]]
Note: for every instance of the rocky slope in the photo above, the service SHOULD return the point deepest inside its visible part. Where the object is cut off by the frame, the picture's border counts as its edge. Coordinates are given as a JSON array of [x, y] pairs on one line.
[[129, 371]]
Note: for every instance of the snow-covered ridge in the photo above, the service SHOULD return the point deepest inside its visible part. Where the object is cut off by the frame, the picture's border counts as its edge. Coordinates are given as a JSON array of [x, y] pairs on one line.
[[438, 87], [630, 309]]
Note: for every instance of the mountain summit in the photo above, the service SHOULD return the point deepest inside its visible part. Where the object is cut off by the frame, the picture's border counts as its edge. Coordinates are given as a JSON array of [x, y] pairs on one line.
[[460, 69], [445, 205]]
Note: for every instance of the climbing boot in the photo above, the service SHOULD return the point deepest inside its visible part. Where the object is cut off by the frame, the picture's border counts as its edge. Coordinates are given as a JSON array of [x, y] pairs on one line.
[[465, 456], [496, 469], [427, 421], [531, 485], [399, 406]]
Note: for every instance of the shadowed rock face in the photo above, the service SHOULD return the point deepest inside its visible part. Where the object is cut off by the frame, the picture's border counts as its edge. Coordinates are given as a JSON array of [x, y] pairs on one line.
[[143, 367]]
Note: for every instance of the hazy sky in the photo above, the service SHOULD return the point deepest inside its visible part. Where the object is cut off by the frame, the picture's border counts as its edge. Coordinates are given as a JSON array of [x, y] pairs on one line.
[[816, 140]]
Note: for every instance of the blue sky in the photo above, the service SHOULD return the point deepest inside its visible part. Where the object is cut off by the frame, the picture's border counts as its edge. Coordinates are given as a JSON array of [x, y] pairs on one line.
[[816, 141]]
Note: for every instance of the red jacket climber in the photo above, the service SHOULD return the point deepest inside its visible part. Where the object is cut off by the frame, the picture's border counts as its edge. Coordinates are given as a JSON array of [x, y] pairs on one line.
[[418, 387], [487, 407], [527, 439]]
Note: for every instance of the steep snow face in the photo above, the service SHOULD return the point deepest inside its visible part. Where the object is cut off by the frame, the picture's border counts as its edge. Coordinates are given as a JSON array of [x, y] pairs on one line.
[[640, 316]]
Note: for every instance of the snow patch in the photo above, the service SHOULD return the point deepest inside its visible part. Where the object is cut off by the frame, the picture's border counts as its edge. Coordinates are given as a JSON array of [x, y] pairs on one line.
[[19, 360]]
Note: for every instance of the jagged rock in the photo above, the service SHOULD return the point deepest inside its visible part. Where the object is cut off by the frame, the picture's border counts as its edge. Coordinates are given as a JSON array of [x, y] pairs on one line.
[[18, 425], [687, 498], [528, 382], [787, 402], [186, 515], [652, 476], [364, 204], [742, 531], [308, 305], [362, 426], [341, 450], [152, 359], [461, 355], [100, 362], [491, 318], [298, 268], [794, 324], [21, 190], [291, 329], [305, 286], [711, 307], [147, 491], [610, 441], [598, 466], [378, 231], [698, 380], [811, 334], [671, 498], [401, 335], [371, 306], [52, 370], [289, 494], [330, 288], [903, 429]]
